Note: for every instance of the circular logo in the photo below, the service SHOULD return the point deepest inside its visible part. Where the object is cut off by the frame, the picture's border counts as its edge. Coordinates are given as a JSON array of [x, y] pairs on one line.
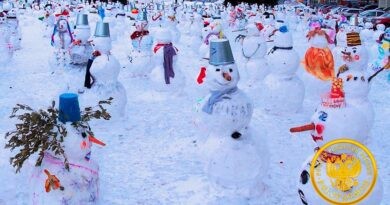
[[346, 173]]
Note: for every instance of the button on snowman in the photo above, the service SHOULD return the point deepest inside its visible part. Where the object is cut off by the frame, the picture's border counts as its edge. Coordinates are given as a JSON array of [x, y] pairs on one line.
[[6, 50], [102, 76], [333, 119], [81, 49], [282, 83], [140, 56], [166, 76], [79, 185], [235, 164]]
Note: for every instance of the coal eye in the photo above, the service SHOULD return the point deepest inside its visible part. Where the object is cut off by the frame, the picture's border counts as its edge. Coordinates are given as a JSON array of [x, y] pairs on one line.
[[84, 135], [354, 51], [217, 69], [230, 70]]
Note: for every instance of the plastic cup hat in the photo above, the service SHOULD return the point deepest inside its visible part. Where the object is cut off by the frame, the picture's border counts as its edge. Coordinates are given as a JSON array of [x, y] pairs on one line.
[[69, 109], [220, 52], [102, 29], [82, 20]]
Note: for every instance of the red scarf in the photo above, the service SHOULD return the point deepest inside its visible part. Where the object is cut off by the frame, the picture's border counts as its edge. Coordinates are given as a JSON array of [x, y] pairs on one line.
[[137, 34], [159, 45]]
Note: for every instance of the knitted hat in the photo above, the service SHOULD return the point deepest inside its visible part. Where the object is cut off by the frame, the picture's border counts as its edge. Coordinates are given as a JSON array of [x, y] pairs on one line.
[[353, 39]]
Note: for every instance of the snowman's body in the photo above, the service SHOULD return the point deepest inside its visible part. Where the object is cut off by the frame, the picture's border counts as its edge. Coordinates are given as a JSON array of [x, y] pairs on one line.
[[308, 196], [237, 167], [6, 50], [158, 74], [140, 56], [253, 51], [195, 33], [81, 50], [282, 83], [105, 71], [81, 182]]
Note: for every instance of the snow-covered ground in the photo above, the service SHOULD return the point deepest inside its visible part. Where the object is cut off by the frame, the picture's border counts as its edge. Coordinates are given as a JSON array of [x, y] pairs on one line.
[[154, 155]]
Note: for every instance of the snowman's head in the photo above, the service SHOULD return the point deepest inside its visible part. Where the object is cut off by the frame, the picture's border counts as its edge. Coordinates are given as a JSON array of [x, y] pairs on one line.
[[62, 25], [341, 38], [216, 26], [101, 44], [318, 38], [82, 33], [164, 36], [368, 25], [222, 77], [355, 57], [380, 27], [252, 30]]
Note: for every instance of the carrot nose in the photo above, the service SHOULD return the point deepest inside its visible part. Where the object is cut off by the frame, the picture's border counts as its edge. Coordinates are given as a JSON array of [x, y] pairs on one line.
[[303, 128], [227, 76], [96, 141], [346, 53]]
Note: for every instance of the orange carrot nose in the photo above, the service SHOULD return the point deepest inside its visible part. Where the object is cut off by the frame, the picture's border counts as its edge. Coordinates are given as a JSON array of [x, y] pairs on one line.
[[227, 76], [303, 128], [96, 141]]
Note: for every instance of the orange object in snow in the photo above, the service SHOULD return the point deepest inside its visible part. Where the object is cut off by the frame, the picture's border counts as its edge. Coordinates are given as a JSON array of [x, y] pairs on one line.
[[96, 141], [319, 62], [52, 182]]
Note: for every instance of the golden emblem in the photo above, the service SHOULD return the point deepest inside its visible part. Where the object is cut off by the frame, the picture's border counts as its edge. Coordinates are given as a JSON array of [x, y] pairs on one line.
[[343, 172]]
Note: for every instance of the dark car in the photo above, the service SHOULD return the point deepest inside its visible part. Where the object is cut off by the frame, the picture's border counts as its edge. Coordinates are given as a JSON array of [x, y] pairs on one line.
[[384, 19]]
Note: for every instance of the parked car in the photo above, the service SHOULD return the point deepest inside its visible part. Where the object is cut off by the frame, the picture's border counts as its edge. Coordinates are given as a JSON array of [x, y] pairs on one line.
[[369, 7], [366, 16], [350, 12], [384, 19]]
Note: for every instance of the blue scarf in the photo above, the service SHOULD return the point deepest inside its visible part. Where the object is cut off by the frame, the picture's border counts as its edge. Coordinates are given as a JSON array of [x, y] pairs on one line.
[[215, 97]]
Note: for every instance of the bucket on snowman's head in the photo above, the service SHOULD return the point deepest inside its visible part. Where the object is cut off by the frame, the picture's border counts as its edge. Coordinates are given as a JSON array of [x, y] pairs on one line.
[[220, 52], [69, 109], [102, 29], [82, 20]]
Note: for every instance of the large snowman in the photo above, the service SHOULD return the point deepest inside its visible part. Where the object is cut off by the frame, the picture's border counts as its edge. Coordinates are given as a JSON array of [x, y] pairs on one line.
[[140, 57], [81, 49], [6, 50], [333, 119], [234, 163], [282, 82], [166, 75], [102, 75], [52, 183], [253, 50]]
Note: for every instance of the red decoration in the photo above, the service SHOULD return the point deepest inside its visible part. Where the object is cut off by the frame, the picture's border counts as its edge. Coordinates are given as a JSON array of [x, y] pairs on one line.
[[201, 75], [137, 34]]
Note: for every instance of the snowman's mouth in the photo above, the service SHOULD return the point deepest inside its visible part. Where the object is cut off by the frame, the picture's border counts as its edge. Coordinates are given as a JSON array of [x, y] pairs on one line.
[[317, 138], [88, 156]]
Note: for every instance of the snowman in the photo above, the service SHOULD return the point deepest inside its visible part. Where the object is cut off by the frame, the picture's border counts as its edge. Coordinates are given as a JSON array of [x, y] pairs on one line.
[[253, 51], [318, 61], [334, 119], [282, 82], [171, 23], [48, 19], [234, 163], [140, 57], [165, 76], [81, 49], [102, 73], [6, 48], [61, 40], [195, 32], [13, 24], [269, 25], [341, 39], [373, 50], [52, 183]]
